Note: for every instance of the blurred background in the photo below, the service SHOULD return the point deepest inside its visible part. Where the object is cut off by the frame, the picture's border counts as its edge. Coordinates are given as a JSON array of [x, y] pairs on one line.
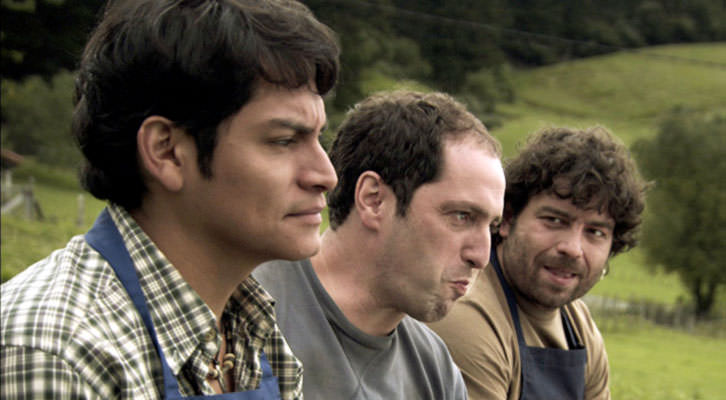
[[651, 71]]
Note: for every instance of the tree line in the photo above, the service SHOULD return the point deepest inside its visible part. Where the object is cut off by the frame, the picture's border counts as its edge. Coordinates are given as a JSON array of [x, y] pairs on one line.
[[465, 47], [434, 41]]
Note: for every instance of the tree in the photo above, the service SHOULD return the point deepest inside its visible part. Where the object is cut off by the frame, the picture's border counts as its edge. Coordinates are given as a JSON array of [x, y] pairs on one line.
[[37, 118], [455, 37], [42, 37], [484, 89], [685, 229]]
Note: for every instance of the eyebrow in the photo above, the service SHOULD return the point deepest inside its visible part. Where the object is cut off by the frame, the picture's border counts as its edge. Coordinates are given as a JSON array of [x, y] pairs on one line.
[[470, 206], [296, 126], [565, 214]]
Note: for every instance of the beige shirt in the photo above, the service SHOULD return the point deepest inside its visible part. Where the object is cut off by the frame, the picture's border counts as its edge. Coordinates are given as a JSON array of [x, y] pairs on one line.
[[480, 335]]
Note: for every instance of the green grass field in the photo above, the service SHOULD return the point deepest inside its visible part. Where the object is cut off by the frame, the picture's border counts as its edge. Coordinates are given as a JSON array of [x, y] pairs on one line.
[[625, 92], [630, 278], [654, 363], [26, 241]]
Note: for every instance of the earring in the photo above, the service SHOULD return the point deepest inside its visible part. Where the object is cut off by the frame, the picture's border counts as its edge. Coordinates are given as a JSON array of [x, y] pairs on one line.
[[605, 270]]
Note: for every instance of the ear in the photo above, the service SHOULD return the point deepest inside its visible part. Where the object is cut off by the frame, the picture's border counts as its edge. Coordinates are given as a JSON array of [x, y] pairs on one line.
[[162, 149], [507, 221], [372, 197]]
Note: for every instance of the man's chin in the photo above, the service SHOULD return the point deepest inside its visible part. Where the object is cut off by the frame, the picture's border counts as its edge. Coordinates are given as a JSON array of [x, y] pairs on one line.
[[554, 302], [436, 314]]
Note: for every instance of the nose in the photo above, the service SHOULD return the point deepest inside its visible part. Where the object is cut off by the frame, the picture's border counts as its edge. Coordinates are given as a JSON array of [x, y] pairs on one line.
[[319, 175], [476, 252], [570, 243]]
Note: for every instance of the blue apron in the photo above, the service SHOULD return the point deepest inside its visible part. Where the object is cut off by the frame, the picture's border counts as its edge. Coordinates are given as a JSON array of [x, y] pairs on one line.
[[547, 374], [106, 239]]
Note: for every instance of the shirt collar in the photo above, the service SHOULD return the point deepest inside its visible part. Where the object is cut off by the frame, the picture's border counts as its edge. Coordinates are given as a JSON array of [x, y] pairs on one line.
[[253, 309]]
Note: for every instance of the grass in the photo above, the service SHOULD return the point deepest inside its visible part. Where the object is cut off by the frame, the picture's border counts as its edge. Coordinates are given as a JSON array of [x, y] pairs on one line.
[[630, 278], [626, 92], [24, 241], [654, 363]]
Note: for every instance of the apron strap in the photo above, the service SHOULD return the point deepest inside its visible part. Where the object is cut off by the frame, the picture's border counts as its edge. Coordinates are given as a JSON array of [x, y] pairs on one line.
[[105, 238], [573, 342]]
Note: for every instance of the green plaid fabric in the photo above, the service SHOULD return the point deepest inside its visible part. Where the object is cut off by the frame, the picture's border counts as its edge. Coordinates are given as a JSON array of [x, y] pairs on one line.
[[69, 330]]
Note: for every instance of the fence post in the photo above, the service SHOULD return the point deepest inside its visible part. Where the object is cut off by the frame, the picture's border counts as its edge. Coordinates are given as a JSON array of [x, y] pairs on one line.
[[81, 220], [7, 184], [28, 199]]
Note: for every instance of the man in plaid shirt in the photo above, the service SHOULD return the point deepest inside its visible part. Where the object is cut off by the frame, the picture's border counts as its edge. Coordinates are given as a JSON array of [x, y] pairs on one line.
[[199, 121]]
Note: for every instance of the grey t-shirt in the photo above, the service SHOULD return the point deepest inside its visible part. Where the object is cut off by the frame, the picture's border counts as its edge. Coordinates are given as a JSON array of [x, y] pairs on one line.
[[342, 362]]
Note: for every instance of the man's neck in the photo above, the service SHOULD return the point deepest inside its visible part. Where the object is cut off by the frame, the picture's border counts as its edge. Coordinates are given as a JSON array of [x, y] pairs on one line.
[[348, 275], [210, 272]]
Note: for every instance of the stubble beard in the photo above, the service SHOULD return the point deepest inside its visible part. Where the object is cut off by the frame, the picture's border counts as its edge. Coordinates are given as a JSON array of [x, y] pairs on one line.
[[526, 283], [435, 313], [433, 309]]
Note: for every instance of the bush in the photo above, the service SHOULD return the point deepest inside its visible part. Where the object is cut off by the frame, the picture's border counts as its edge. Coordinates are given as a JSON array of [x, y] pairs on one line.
[[37, 119]]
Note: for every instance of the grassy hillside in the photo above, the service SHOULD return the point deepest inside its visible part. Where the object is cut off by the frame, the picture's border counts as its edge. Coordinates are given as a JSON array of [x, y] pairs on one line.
[[626, 92], [654, 363]]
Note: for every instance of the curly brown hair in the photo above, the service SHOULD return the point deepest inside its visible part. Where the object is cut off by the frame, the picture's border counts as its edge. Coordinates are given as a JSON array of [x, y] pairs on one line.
[[586, 166]]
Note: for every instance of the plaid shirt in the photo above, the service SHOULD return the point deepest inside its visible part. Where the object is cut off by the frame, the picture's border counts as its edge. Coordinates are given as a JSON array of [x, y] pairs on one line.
[[69, 329]]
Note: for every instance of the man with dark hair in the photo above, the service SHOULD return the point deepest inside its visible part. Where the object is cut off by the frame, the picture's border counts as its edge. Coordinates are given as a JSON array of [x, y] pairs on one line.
[[420, 185], [199, 121], [573, 201]]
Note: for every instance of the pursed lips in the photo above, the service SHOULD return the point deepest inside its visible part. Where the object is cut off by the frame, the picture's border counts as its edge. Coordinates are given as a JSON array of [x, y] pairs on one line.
[[461, 286]]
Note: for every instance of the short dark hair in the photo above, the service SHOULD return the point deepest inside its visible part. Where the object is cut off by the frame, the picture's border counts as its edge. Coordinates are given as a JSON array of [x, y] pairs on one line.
[[399, 136], [195, 62], [585, 166]]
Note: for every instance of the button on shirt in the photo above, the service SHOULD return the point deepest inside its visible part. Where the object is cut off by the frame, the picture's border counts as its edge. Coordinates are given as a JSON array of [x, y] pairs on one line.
[[69, 329]]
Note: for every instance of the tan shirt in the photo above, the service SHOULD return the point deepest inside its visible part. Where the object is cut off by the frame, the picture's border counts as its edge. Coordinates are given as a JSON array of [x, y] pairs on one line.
[[480, 335]]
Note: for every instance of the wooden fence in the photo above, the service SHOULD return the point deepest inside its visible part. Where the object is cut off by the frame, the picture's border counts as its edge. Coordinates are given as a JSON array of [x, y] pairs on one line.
[[19, 198], [615, 314]]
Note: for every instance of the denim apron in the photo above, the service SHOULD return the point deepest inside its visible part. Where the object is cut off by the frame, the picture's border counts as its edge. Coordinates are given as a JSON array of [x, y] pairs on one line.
[[106, 239], [547, 374]]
